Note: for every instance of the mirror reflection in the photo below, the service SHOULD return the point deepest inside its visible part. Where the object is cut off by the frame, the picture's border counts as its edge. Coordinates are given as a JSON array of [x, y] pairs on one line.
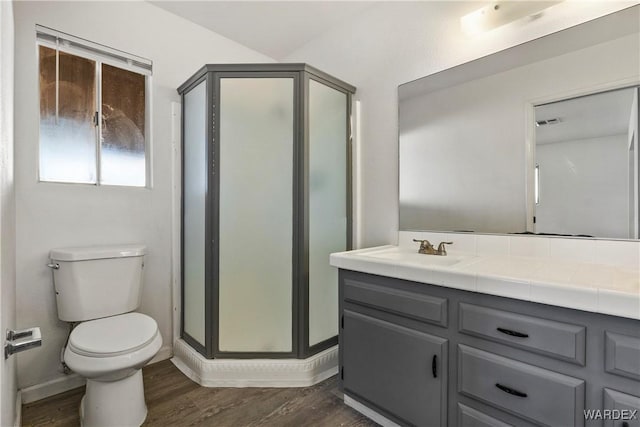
[[540, 138], [586, 171]]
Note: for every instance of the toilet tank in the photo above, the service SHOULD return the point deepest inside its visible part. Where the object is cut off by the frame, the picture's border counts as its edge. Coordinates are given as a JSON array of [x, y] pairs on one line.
[[97, 281]]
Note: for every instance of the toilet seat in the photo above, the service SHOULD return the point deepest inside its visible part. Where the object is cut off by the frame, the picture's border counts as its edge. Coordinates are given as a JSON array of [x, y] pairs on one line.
[[113, 336]]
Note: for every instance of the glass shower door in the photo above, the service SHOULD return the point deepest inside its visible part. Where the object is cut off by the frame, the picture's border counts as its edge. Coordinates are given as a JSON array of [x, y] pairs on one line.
[[194, 208], [328, 219], [255, 214]]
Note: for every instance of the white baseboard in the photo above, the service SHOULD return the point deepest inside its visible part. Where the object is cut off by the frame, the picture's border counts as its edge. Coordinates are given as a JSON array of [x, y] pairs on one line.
[[18, 419], [369, 413], [52, 387], [254, 372], [71, 381]]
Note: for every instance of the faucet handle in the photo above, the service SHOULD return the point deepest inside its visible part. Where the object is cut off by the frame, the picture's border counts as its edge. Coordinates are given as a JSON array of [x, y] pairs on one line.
[[441, 248], [425, 246], [422, 242]]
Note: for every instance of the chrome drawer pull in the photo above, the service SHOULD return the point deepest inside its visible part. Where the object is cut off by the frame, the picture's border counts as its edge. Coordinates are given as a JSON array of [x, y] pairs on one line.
[[510, 390], [512, 333]]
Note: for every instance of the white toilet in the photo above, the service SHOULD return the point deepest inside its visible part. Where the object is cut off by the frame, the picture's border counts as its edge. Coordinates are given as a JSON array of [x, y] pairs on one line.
[[100, 286]]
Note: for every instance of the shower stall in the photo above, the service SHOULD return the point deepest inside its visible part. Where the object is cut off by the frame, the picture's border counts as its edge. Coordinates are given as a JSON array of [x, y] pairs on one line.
[[266, 197]]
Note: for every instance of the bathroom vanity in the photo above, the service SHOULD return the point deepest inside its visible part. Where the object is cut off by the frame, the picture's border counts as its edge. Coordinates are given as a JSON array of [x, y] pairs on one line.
[[427, 341]]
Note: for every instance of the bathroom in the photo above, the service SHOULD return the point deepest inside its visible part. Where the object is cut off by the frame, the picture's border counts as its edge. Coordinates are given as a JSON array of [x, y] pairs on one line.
[[374, 47]]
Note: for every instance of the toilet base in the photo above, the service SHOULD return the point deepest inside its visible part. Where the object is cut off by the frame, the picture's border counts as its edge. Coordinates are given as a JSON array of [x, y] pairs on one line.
[[114, 403]]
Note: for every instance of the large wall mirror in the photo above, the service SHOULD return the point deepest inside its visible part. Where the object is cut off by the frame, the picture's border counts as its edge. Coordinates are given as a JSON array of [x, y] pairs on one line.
[[541, 138]]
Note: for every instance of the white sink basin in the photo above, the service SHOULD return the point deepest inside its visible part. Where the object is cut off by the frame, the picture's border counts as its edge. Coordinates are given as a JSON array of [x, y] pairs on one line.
[[395, 254]]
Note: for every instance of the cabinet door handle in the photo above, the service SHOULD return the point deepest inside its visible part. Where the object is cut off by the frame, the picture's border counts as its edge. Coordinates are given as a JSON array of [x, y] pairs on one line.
[[513, 333], [434, 366], [510, 390]]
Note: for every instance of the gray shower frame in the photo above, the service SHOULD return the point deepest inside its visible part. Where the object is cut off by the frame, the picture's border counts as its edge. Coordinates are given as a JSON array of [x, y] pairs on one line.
[[301, 74]]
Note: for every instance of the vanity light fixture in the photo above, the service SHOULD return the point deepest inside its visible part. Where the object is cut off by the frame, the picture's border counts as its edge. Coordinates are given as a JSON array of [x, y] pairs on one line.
[[497, 14]]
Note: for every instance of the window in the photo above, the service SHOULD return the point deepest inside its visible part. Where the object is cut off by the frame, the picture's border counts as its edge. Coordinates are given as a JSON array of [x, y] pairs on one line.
[[93, 112]]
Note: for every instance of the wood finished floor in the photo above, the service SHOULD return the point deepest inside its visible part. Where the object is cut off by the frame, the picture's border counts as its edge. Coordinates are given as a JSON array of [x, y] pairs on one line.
[[175, 400]]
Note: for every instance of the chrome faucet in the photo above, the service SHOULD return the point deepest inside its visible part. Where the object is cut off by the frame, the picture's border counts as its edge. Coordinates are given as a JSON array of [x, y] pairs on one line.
[[427, 248]]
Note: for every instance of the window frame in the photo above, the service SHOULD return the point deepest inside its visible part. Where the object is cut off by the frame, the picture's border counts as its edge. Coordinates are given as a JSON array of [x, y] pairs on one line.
[[100, 59]]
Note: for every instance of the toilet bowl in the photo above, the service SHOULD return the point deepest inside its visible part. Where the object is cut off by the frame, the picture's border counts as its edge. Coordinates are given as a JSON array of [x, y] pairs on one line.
[[110, 353], [100, 287]]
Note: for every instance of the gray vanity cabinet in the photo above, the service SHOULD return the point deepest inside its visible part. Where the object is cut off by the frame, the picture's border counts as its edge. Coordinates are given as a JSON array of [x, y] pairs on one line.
[[434, 356], [396, 368]]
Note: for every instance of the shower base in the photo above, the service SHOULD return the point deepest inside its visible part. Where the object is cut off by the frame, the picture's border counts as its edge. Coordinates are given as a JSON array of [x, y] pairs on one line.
[[254, 372]]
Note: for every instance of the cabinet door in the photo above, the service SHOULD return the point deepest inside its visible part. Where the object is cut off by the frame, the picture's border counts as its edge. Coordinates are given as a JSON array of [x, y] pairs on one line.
[[400, 370]]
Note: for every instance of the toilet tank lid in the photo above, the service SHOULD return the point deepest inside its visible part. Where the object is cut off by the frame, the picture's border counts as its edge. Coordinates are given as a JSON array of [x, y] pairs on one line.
[[96, 252]]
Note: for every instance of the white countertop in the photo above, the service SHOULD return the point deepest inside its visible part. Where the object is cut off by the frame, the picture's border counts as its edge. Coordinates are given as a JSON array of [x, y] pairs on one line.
[[588, 286]]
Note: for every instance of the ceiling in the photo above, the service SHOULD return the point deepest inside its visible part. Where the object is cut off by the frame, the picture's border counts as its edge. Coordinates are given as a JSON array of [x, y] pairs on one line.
[[592, 116], [273, 28]]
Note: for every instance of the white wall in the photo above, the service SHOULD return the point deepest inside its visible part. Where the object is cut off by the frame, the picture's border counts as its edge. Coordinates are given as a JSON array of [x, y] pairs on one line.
[[396, 42], [53, 215], [584, 187], [7, 212]]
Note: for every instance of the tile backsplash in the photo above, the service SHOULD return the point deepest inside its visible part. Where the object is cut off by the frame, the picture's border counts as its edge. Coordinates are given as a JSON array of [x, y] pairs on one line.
[[610, 252]]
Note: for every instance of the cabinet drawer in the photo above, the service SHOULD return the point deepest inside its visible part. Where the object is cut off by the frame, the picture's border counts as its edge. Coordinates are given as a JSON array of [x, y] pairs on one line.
[[404, 303], [542, 396], [626, 407], [555, 339], [622, 355], [469, 417]]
